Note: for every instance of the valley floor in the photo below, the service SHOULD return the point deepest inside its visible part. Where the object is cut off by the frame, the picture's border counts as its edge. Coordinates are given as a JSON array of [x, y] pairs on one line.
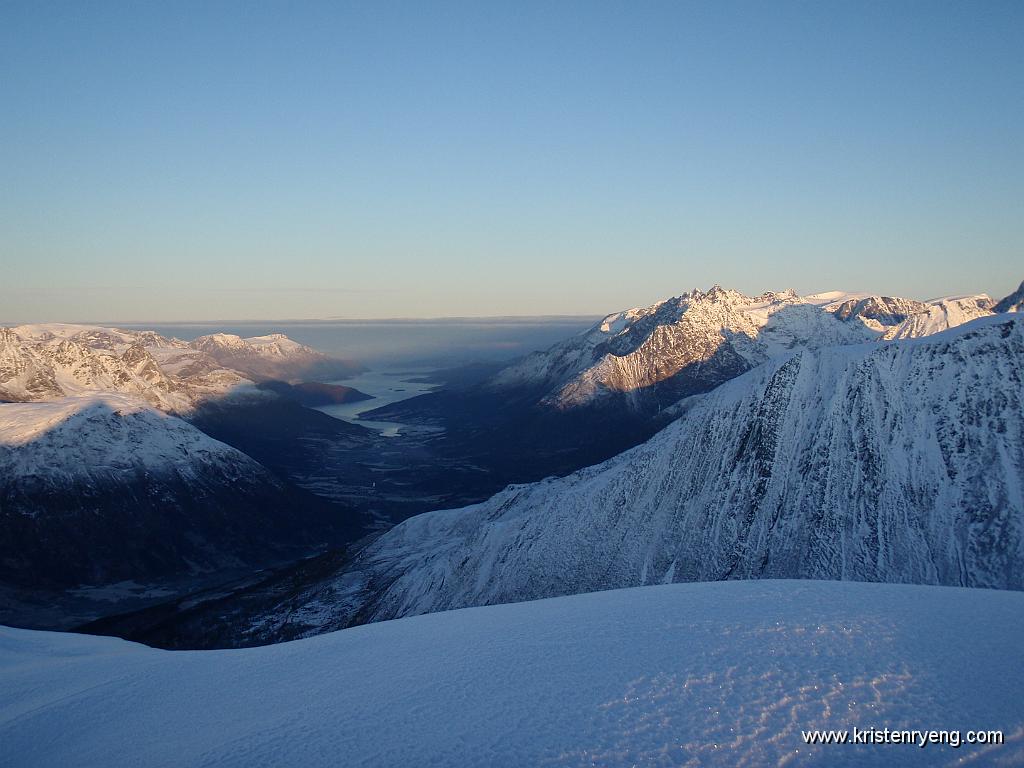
[[725, 673]]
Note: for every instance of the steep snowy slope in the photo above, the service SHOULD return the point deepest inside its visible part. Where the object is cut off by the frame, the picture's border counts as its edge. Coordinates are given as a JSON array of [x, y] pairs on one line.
[[103, 487], [940, 315], [91, 437], [899, 462], [727, 674], [1012, 303]]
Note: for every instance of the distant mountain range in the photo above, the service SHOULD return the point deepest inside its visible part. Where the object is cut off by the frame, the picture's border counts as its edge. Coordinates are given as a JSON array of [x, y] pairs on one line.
[[851, 451], [273, 356], [44, 362], [102, 481], [690, 343], [600, 392]]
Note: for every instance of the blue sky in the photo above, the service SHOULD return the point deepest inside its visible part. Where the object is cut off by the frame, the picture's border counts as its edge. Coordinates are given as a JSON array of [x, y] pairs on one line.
[[293, 160]]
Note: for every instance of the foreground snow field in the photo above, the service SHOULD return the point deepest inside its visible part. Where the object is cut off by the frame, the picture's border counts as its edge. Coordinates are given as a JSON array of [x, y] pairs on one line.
[[724, 673]]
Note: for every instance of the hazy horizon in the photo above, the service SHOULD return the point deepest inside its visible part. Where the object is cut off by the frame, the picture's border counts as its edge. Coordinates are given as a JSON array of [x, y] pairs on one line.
[[512, 318], [242, 160]]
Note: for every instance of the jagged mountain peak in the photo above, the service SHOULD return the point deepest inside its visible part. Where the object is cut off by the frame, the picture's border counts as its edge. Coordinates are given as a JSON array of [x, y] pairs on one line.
[[941, 314], [682, 345], [692, 342], [1012, 303]]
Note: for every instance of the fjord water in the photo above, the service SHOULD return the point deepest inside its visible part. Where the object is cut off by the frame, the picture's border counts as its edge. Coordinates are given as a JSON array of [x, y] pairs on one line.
[[385, 387]]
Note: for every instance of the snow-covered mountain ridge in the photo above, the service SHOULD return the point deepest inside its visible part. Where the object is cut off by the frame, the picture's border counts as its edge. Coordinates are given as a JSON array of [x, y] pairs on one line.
[[693, 342], [273, 356], [899, 462], [45, 362], [102, 487], [724, 674], [88, 437], [1012, 303]]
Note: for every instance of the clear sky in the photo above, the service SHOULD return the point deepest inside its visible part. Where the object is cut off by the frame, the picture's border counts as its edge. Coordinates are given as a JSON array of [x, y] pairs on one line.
[[217, 160]]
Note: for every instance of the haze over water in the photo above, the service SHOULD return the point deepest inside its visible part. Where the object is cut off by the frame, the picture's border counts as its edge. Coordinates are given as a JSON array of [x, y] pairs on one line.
[[390, 344]]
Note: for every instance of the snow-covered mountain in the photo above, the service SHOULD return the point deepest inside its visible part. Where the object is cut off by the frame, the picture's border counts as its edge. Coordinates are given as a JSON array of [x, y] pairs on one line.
[[941, 315], [897, 462], [96, 437], [45, 362], [101, 487], [726, 674], [656, 355], [878, 313], [273, 356], [1012, 303]]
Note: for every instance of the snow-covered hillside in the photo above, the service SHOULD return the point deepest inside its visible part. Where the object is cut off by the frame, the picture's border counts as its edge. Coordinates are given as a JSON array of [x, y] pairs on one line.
[[725, 674], [692, 343], [941, 315], [899, 462], [99, 437], [46, 362], [102, 487]]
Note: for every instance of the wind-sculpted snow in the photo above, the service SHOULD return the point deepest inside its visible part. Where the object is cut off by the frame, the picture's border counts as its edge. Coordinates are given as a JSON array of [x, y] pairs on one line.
[[683, 675], [899, 462]]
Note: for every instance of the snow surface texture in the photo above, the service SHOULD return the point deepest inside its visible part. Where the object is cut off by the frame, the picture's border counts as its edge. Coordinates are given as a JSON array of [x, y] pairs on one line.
[[92, 438], [899, 462], [722, 674], [693, 342], [46, 362]]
